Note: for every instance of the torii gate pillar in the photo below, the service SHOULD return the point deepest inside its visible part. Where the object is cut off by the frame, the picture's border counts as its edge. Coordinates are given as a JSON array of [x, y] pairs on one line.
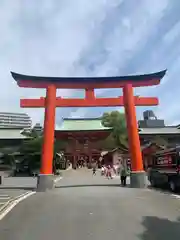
[[137, 177], [46, 177]]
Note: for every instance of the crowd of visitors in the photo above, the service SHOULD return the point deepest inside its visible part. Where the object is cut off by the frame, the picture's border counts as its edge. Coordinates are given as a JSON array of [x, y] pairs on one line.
[[108, 171]]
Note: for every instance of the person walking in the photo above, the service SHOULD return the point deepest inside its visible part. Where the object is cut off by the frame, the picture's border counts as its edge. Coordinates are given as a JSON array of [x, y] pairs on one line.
[[102, 171], [125, 171], [94, 168], [94, 171], [109, 173]]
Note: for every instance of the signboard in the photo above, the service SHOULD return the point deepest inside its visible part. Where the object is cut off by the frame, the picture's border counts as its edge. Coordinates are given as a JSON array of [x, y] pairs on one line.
[[164, 160]]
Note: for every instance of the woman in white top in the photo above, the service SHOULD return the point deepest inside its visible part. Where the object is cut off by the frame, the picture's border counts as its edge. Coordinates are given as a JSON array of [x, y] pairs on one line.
[[102, 170]]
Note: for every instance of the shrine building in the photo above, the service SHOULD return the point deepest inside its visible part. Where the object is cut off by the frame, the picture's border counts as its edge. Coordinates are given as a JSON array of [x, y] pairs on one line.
[[82, 136]]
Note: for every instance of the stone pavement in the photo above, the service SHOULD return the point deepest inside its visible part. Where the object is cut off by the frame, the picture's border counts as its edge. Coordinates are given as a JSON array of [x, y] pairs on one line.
[[128, 180], [14, 187], [27, 183], [91, 207]]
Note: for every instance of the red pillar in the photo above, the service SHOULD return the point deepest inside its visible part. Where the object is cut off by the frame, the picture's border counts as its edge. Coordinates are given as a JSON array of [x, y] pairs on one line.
[[48, 139], [133, 136]]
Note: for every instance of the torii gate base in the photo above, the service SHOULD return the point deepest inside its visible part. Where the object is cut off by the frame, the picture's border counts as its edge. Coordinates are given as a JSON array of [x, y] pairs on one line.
[[45, 182], [46, 178]]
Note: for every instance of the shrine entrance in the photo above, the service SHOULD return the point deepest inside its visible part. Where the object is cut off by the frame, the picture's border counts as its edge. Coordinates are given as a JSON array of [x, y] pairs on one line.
[[86, 160], [50, 102], [83, 136], [82, 160]]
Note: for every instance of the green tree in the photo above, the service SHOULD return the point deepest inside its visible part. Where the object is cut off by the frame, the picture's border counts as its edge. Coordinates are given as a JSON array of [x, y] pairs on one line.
[[117, 121], [107, 144], [34, 145], [32, 148], [8, 156]]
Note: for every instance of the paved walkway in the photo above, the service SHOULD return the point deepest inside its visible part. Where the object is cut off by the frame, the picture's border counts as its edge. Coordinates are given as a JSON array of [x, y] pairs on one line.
[[87, 207], [12, 188], [26, 183]]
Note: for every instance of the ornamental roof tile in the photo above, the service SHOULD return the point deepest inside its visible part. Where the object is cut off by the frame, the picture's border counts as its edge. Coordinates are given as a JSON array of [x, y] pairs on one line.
[[78, 124]]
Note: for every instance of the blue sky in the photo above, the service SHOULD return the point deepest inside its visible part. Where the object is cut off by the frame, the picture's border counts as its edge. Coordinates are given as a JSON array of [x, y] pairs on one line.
[[90, 38]]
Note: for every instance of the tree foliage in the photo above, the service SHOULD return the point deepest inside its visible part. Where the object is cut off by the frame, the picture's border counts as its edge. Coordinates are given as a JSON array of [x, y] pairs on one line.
[[30, 146], [107, 144], [34, 145], [117, 121], [32, 149]]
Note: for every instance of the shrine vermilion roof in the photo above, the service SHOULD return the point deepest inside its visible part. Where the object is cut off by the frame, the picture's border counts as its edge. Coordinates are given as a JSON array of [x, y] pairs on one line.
[[81, 124]]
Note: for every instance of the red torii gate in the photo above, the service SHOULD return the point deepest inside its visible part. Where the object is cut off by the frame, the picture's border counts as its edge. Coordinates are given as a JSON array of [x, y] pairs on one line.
[[50, 102]]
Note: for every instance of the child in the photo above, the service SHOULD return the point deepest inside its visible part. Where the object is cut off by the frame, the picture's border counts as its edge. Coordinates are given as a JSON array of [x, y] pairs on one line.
[[94, 170], [109, 174]]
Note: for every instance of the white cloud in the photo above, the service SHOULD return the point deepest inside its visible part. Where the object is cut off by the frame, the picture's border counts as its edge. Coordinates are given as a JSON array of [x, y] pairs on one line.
[[42, 39], [83, 37], [79, 113]]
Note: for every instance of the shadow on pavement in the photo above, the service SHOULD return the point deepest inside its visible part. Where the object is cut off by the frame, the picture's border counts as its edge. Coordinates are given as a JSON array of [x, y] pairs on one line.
[[91, 185], [160, 228]]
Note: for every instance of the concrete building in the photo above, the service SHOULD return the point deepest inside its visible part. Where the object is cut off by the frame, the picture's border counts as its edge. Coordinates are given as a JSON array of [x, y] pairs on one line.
[[153, 129], [15, 120], [38, 128]]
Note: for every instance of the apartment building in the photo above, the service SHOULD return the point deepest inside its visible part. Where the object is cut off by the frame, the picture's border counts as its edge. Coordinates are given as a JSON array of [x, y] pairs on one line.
[[15, 120]]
